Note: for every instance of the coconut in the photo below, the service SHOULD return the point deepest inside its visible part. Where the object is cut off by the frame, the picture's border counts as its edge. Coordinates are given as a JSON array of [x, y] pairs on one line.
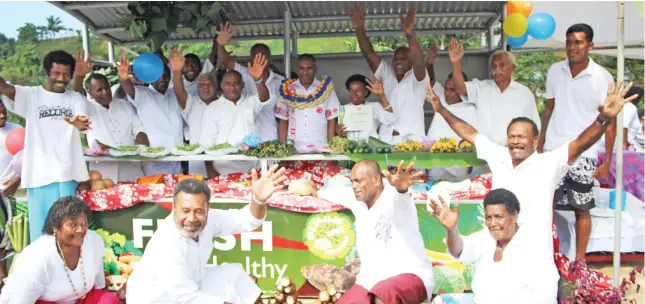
[[108, 183], [98, 185], [95, 175]]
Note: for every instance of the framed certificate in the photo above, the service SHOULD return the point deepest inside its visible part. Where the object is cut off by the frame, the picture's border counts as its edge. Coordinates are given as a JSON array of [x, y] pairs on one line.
[[358, 118]]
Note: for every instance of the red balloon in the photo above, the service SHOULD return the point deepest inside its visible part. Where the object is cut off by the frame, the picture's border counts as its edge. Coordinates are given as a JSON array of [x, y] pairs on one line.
[[15, 141]]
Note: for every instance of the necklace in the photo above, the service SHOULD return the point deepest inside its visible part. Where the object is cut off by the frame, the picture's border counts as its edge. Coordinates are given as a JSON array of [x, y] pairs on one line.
[[69, 278], [301, 101]]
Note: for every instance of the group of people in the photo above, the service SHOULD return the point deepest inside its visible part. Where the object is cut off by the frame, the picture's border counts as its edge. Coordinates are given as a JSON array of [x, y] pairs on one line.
[[536, 164]]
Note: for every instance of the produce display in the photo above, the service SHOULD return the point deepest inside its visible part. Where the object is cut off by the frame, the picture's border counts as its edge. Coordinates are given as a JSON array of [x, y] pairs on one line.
[[188, 148], [358, 148], [328, 295], [445, 145], [338, 144], [302, 187], [220, 146], [126, 149], [465, 146], [119, 259], [154, 150], [96, 182], [150, 179], [18, 232], [271, 148], [409, 146], [286, 292]]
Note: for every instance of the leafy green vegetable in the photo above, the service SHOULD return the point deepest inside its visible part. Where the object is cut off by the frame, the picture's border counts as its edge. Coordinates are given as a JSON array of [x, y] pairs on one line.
[[220, 146], [127, 148], [129, 247], [188, 148], [271, 148], [154, 150]]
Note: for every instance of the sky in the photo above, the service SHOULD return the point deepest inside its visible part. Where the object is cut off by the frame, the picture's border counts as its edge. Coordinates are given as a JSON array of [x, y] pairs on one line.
[[16, 13]]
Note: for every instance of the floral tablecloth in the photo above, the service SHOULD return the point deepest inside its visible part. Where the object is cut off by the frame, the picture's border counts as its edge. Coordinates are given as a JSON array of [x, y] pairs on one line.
[[633, 176]]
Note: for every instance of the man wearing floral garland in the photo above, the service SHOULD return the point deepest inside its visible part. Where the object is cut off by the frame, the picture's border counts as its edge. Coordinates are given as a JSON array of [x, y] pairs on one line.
[[308, 107]]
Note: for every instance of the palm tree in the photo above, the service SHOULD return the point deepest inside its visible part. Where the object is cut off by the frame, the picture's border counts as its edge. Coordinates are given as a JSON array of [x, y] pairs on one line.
[[54, 25]]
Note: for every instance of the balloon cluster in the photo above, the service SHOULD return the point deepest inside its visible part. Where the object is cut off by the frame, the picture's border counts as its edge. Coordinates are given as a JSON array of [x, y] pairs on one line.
[[15, 142], [520, 23]]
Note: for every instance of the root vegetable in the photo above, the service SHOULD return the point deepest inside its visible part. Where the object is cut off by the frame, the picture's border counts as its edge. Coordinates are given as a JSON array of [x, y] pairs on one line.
[[331, 289], [129, 259], [324, 296], [291, 300], [291, 289], [95, 175], [280, 288], [337, 296], [280, 297], [285, 281], [98, 185], [84, 186], [108, 183]]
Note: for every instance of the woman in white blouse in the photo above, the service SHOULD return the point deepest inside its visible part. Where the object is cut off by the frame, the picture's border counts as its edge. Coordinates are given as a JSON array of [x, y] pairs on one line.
[[359, 88], [506, 270], [64, 265]]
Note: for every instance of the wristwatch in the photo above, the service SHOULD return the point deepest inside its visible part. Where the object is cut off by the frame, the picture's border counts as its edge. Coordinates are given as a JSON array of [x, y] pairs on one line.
[[603, 122]]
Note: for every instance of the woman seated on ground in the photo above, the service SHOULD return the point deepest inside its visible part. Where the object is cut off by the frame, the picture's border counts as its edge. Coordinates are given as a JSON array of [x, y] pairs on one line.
[[359, 88], [507, 270], [64, 265]]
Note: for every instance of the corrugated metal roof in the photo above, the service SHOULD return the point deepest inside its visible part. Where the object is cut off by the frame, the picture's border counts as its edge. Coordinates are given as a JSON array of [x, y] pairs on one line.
[[264, 19]]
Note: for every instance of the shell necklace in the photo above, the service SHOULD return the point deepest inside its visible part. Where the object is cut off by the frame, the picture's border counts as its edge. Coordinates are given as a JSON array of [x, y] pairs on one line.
[[67, 271]]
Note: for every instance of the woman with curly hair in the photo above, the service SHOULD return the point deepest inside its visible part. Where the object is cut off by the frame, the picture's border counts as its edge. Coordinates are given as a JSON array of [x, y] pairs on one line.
[[64, 265]]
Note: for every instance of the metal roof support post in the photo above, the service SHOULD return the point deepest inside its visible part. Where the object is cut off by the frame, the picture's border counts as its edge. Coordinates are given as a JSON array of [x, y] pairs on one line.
[[85, 35], [287, 44], [294, 47], [489, 43], [501, 19], [620, 74], [110, 51]]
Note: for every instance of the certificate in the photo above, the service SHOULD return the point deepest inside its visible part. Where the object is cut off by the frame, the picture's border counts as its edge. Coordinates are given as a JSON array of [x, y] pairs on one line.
[[358, 118]]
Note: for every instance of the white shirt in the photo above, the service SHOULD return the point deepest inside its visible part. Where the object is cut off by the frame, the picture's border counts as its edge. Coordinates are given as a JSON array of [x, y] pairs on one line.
[[496, 109], [266, 125], [576, 102], [631, 122], [183, 260], [228, 122], [193, 114], [513, 279], [191, 86], [53, 151], [6, 159], [387, 236], [379, 117], [407, 98], [39, 273], [309, 125], [161, 118]]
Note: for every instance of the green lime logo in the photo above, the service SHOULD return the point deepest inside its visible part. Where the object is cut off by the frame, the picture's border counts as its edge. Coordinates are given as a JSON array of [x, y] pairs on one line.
[[329, 236]]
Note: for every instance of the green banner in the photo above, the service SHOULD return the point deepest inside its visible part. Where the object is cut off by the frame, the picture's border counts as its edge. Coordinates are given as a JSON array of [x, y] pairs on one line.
[[286, 242]]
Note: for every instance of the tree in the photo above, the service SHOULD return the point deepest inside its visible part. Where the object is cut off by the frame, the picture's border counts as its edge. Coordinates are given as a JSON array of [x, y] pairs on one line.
[[531, 70], [28, 33], [54, 25], [7, 46]]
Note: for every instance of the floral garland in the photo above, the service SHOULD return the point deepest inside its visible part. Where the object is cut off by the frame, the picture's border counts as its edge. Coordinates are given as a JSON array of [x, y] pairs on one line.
[[300, 101]]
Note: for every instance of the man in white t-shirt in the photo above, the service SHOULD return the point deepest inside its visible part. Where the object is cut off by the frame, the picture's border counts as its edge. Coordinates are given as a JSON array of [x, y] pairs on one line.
[[404, 81], [575, 88], [498, 100], [394, 264], [232, 117], [193, 67], [266, 125], [313, 120], [53, 157], [160, 114]]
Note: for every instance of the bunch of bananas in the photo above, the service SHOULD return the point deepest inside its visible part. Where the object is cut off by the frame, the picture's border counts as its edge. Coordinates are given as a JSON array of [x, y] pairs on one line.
[[444, 145], [465, 146], [410, 146]]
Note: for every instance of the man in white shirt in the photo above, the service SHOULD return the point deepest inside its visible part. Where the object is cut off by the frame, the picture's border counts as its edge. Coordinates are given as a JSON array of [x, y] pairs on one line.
[[232, 117], [404, 81], [193, 105], [9, 183], [160, 114], [575, 88], [439, 128], [308, 110], [394, 264], [498, 100], [266, 125], [172, 269], [533, 177], [53, 157], [193, 67]]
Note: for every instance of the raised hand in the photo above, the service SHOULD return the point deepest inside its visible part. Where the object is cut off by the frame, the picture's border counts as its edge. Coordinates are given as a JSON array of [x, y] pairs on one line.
[[615, 100], [257, 67], [357, 15], [177, 59], [442, 212], [83, 65], [404, 177], [375, 86], [432, 53], [226, 33], [123, 68], [433, 99], [80, 122], [408, 20], [455, 51], [265, 186]]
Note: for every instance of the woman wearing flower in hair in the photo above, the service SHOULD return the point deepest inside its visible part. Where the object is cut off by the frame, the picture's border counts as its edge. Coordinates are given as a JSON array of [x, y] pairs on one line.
[[64, 265], [359, 88]]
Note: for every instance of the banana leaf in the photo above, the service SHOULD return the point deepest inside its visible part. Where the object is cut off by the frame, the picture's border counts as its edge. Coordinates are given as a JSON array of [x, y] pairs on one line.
[[424, 160]]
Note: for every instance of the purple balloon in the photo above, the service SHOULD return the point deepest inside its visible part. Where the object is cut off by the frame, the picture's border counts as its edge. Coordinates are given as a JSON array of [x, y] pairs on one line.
[[17, 163]]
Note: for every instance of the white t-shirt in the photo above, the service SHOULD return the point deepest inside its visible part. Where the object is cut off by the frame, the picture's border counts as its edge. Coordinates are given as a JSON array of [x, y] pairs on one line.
[[192, 114], [39, 273], [53, 151], [266, 125], [576, 102], [631, 122], [6, 159], [308, 125], [496, 109], [407, 98], [183, 260], [380, 117], [387, 236]]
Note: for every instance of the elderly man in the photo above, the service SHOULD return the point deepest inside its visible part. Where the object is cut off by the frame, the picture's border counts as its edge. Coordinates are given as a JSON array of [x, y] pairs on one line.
[[394, 264], [160, 114], [193, 105], [308, 108], [404, 82], [498, 100], [172, 269], [574, 89], [266, 125], [533, 177]]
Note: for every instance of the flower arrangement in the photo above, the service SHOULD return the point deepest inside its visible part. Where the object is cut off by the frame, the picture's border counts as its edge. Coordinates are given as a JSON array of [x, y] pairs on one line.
[[300, 101], [590, 286]]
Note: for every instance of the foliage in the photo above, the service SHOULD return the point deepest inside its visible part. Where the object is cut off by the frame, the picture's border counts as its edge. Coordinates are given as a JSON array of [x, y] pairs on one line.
[[588, 287], [531, 70], [28, 33]]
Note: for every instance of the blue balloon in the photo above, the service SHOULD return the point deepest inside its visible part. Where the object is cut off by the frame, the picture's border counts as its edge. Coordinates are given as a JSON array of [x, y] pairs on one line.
[[516, 42], [541, 26], [148, 67]]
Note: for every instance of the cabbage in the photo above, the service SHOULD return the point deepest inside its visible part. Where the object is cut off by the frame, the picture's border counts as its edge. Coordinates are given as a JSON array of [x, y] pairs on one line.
[[448, 280], [301, 187]]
